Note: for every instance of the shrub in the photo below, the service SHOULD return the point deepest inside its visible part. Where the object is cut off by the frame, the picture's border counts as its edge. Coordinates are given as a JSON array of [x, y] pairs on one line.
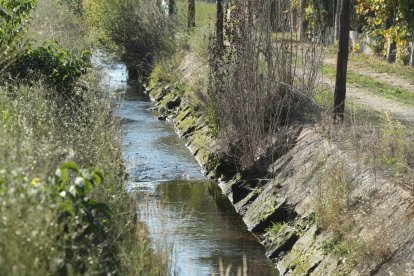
[[38, 134], [257, 88], [151, 35], [73, 222], [57, 65]]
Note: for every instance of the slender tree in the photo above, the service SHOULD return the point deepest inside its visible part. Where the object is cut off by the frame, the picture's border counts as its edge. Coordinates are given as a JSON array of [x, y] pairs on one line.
[[391, 43], [302, 19], [191, 14], [406, 9], [342, 63], [220, 25], [171, 8]]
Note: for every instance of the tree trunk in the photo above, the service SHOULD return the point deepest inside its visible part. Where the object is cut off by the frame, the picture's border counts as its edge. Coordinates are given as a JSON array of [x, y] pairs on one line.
[[302, 20], [272, 15], [220, 26], [171, 8], [342, 64], [337, 18], [412, 54], [191, 14], [159, 2], [293, 19]]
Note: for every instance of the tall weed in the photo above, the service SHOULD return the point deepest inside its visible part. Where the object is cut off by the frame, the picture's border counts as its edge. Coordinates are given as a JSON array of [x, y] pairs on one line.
[[332, 198]]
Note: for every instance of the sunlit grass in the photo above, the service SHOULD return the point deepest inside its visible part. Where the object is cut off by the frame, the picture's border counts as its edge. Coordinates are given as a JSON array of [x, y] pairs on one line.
[[53, 21], [377, 64], [372, 85], [205, 12]]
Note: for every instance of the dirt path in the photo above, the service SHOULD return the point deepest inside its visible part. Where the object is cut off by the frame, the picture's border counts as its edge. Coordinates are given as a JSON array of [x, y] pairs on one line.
[[361, 96], [391, 80]]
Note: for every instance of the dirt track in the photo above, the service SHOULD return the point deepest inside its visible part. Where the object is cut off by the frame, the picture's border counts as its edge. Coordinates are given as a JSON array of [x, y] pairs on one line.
[[401, 111]]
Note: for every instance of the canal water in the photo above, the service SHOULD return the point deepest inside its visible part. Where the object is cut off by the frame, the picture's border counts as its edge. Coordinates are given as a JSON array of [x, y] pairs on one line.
[[184, 212]]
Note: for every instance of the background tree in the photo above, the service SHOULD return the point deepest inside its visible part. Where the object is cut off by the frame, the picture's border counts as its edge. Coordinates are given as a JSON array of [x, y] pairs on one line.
[[388, 22], [171, 8], [342, 64], [191, 14], [220, 25], [406, 8]]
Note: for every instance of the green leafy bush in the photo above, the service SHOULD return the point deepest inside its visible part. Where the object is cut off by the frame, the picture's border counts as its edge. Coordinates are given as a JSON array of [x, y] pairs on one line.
[[14, 15], [77, 222], [59, 66], [152, 33]]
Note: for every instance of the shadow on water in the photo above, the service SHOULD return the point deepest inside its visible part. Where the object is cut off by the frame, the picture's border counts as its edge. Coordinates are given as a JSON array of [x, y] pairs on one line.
[[179, 206]]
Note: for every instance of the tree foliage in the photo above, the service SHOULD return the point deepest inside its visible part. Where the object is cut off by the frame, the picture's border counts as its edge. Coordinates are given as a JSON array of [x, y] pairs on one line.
[[387, 19], [14, 17]]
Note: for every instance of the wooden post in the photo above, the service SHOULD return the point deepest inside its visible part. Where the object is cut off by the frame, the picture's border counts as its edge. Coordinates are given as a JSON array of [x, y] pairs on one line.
[[220, 26], [412, 54], [191, 14], [342, 64], [337, 16]]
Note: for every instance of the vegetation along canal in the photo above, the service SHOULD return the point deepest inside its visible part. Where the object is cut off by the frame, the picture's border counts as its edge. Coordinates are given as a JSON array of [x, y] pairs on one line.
[[184, 212]]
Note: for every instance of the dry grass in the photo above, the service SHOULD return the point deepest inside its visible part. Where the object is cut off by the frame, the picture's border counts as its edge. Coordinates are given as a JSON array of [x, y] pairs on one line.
[[332, 197], [54, 21]]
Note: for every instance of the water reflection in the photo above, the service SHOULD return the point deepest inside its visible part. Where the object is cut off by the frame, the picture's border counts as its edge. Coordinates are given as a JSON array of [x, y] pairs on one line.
[[204, 228]]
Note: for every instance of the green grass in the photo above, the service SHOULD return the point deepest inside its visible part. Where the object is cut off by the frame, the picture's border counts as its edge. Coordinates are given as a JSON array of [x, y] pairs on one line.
[[198, 39], [373, 85], [378, 64], [205, 13], [276, 229]]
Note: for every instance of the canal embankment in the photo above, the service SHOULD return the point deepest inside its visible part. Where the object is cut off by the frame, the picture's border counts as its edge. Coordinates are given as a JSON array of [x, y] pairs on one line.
[[323, 205]]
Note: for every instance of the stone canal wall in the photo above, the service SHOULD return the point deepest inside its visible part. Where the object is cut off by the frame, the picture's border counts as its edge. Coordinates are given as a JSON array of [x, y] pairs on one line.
[[279, 204]]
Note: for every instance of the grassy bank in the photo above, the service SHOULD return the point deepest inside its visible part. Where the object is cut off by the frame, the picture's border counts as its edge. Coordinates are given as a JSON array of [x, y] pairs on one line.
[[64, 209], [377, 64], [374, 86]]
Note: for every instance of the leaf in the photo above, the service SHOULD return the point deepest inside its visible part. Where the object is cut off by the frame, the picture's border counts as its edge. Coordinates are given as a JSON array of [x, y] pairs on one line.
[[88, 186], [66, 206], [97, 177], [62, 174], [101, 207], [71, 166]]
